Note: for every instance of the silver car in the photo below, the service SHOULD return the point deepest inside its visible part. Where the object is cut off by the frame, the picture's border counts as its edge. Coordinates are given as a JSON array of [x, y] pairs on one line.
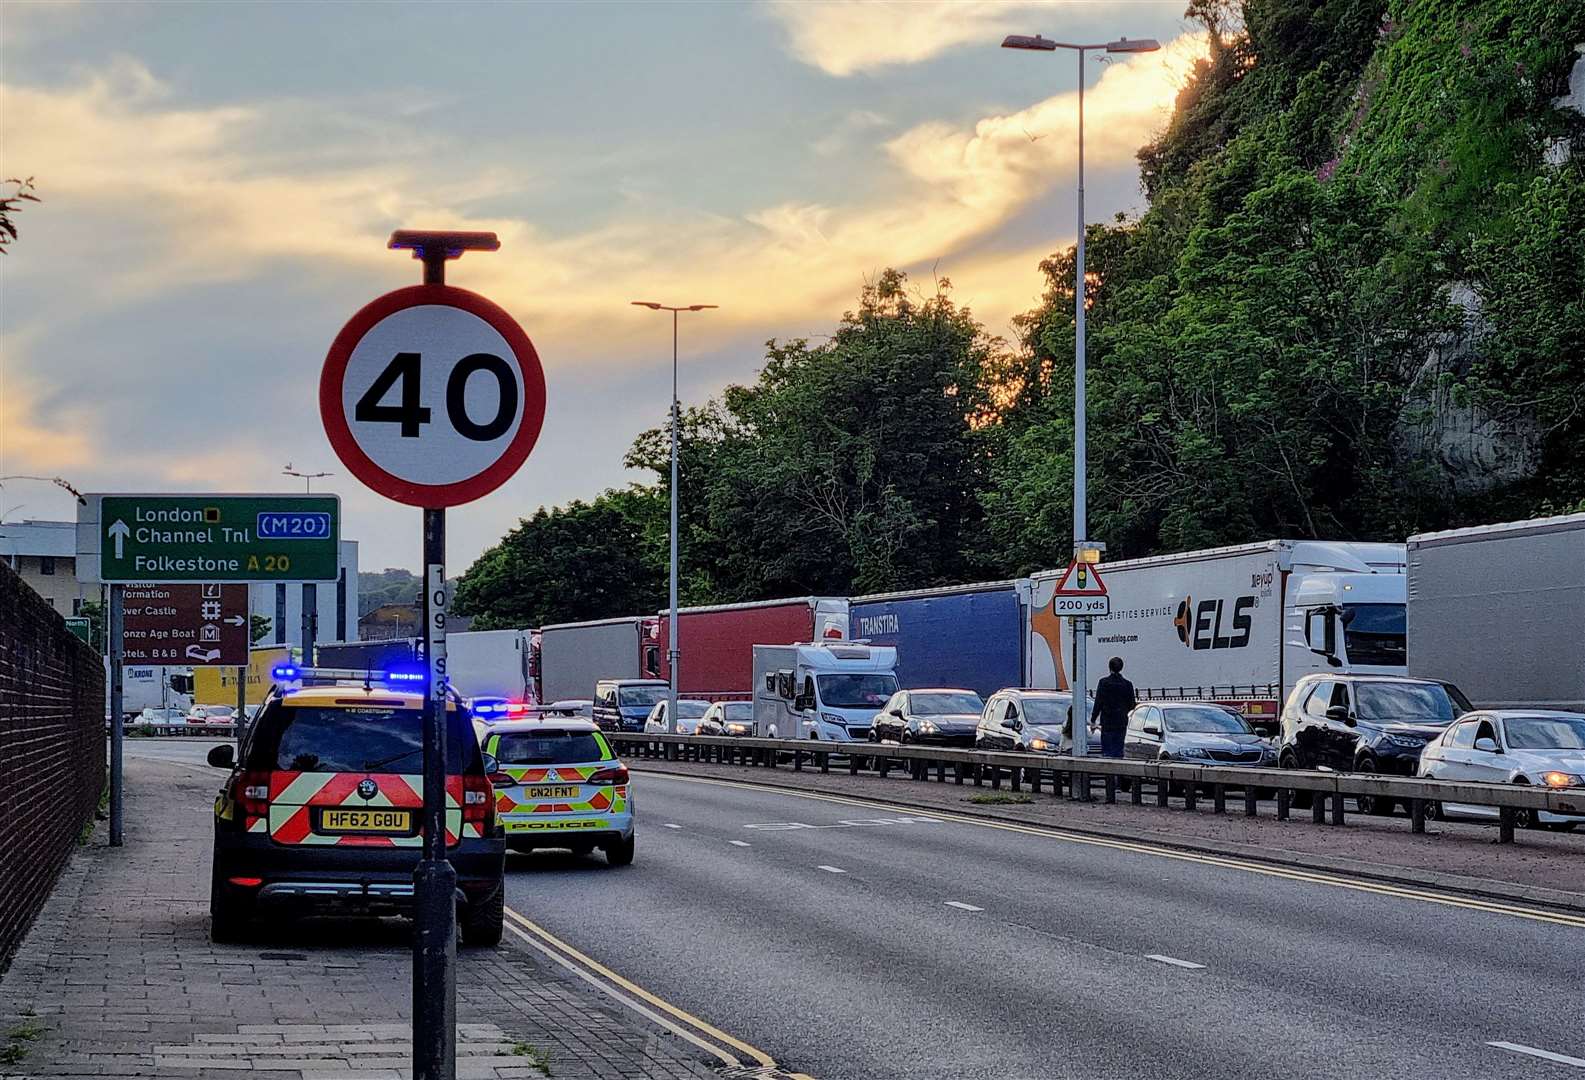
[[1511, 746], [1038, 720], [1196, 734]]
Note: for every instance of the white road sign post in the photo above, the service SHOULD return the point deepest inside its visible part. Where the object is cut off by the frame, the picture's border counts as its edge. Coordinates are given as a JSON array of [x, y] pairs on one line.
[[433, 396]]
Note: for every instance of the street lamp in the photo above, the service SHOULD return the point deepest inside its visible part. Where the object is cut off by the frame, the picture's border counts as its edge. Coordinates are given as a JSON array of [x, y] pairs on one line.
[[672, 652], [307, 478], [1081, 626]]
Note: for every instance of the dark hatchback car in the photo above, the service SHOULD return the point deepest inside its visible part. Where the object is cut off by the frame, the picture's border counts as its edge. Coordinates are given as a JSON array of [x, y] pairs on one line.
[[322, 812], [936, 717], [1364, 724]]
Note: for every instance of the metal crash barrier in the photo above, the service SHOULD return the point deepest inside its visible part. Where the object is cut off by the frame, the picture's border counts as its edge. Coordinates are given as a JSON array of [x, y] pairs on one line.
[[1079, 778]]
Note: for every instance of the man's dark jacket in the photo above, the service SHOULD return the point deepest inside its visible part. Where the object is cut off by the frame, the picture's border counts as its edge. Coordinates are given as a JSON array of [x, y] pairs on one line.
[[1114, 700]]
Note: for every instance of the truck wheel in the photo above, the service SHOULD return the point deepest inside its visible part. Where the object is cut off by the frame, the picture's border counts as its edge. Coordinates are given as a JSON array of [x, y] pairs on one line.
[[482, 921], [1299, 800], [1374, 805], [228, 916], [620, 852]]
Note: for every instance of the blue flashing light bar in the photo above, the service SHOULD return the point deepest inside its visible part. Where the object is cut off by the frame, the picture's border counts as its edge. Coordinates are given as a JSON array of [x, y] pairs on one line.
[[286, 672], [406, 676]]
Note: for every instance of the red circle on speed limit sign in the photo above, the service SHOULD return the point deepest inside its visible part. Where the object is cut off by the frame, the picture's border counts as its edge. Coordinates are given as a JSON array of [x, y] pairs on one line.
[[432, 396]]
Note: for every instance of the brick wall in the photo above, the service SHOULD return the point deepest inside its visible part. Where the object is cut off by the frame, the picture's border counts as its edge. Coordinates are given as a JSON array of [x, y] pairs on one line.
[[52, 751]]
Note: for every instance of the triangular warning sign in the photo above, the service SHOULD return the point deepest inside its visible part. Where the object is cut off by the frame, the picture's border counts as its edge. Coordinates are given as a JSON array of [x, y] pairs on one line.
[[1081, 579]]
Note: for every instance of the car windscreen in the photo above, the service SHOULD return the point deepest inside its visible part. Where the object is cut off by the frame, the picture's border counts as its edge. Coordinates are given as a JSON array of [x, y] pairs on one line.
[[219, 710], [857, 691], [692, 710], [1203, 721], [550, 747], [358, 739], [738, 710], [1374, 633], [1047, 710], [1406, 703], [944, 704], [1545, 732], [633, 697]]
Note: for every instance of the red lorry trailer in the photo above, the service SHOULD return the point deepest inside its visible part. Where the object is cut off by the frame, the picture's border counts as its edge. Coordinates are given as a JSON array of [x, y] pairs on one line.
[[716, 644]]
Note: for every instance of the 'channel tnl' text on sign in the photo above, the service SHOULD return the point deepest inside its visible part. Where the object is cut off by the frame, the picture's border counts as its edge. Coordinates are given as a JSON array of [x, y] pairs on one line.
[[168, 539]]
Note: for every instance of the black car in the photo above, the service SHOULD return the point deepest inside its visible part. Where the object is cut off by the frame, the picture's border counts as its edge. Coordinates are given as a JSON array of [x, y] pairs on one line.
[[323, 811], [727, 718], [935, 717], [1364, 724]]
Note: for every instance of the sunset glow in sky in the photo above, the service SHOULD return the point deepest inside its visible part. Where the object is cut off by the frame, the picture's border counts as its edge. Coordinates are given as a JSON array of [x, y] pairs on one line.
[[219, 182]]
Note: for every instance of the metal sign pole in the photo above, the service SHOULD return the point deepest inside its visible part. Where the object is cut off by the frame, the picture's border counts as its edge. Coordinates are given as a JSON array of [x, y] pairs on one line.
[[116, 735], [435, 879]]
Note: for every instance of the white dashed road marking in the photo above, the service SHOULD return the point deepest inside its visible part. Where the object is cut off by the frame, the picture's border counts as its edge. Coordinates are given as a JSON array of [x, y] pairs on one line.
[[961, 906], [833, 869], [739, 843], [1547, 1055], [1174, 961], [669, 825]]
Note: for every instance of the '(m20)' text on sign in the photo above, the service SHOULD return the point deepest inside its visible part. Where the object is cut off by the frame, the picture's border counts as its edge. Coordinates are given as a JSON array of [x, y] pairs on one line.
[[178, 538]]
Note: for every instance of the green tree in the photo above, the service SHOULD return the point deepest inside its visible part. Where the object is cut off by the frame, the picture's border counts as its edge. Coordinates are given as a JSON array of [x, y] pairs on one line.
[[582, 561], [258, 628]]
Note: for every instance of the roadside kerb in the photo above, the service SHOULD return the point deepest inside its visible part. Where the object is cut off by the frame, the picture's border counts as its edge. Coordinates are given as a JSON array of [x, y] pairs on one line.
[[1078, 777]]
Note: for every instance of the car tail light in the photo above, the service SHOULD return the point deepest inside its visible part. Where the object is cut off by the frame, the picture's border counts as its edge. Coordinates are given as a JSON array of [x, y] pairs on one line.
[[501, 779], [252, 793], [246, 882], [478, 801], [617, 775]]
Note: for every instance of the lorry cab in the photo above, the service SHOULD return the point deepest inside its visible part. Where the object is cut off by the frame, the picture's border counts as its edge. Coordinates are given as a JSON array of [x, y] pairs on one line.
[[827, 690], [1345, 610]]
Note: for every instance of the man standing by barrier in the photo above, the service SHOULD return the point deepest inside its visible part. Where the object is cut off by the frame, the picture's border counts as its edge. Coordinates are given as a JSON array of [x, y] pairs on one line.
[[1114, 700]]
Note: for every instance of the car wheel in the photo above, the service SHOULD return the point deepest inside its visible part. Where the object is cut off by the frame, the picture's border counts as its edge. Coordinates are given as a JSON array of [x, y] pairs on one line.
[[1525, 818], [620, 852], [228, 917], [1299, 800], [482, 922], [1374, 805], [1433, 810]]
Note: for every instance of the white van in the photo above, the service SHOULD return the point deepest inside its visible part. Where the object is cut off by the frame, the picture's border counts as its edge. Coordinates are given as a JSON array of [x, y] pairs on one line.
[[828, 690]]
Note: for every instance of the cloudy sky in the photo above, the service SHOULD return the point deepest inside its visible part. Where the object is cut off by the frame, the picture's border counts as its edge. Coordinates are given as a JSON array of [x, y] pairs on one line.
[[220, 179]]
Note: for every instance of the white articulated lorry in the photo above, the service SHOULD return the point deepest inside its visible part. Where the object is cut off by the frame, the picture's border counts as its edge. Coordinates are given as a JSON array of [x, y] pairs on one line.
[[1500, 610], [1234, 625], [827, 690], [575, 656]]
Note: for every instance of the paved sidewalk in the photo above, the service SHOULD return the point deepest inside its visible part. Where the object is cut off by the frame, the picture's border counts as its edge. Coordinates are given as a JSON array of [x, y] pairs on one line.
[[118, 979], [1542, 868]]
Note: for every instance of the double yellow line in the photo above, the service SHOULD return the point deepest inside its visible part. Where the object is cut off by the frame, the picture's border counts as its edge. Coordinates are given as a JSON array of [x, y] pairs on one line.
[[1336, 881], [730, 1050]]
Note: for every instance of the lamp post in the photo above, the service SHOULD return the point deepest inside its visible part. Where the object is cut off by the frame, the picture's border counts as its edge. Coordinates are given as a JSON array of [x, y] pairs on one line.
[[307, 478], [1081, 545], [672, 652]]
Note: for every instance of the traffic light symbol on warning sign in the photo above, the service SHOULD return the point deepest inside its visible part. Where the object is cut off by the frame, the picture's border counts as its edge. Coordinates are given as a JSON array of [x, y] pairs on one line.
[[1081, 592]]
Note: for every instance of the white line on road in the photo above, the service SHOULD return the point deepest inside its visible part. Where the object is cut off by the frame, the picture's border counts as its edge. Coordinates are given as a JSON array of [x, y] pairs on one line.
[[1174, 961], [739, 843], [1561, 1059], [833, 869], [961, 906], [669, 825]]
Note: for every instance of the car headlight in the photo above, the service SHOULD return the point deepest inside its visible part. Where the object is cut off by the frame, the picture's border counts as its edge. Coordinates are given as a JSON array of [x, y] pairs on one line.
[[1409, 742], [833, 718], [1039, 744], [737, 729], [1194, 752], [1561, 779], [928, 727]]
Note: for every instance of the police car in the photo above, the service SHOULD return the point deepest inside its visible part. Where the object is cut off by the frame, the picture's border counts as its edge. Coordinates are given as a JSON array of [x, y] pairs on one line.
[[324, 803], [559, 785]]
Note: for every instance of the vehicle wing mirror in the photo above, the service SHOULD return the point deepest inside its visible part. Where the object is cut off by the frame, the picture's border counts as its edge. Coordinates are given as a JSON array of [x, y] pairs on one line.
[[1152, 729], [803, 703], [1487, 745], [1012, 723], [1340, 714], [223, 756], [896, 712]]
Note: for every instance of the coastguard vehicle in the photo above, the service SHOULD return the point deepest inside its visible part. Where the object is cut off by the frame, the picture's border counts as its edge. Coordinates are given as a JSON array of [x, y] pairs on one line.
[[322, 809]]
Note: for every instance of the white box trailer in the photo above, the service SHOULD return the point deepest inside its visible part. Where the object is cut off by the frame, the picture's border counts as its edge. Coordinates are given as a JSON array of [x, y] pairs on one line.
[[1235, 625], [1500, 610], [575, 656], [829, 690]]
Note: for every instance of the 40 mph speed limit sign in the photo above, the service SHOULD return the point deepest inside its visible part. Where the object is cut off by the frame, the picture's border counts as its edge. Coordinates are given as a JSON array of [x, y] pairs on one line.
[[432, 396]]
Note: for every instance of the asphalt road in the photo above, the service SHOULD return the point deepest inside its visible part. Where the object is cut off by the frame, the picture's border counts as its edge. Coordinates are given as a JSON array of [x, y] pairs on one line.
[[873, 972], [866, 944]]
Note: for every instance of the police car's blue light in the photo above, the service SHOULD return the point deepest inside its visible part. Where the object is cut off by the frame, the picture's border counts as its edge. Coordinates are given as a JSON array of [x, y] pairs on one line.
[[286, 672], [405, 676]]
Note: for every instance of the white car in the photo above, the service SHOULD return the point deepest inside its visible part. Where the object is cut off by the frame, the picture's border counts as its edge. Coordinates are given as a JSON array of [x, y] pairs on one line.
[[689, 713], [212, 714], [1511, 746]]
